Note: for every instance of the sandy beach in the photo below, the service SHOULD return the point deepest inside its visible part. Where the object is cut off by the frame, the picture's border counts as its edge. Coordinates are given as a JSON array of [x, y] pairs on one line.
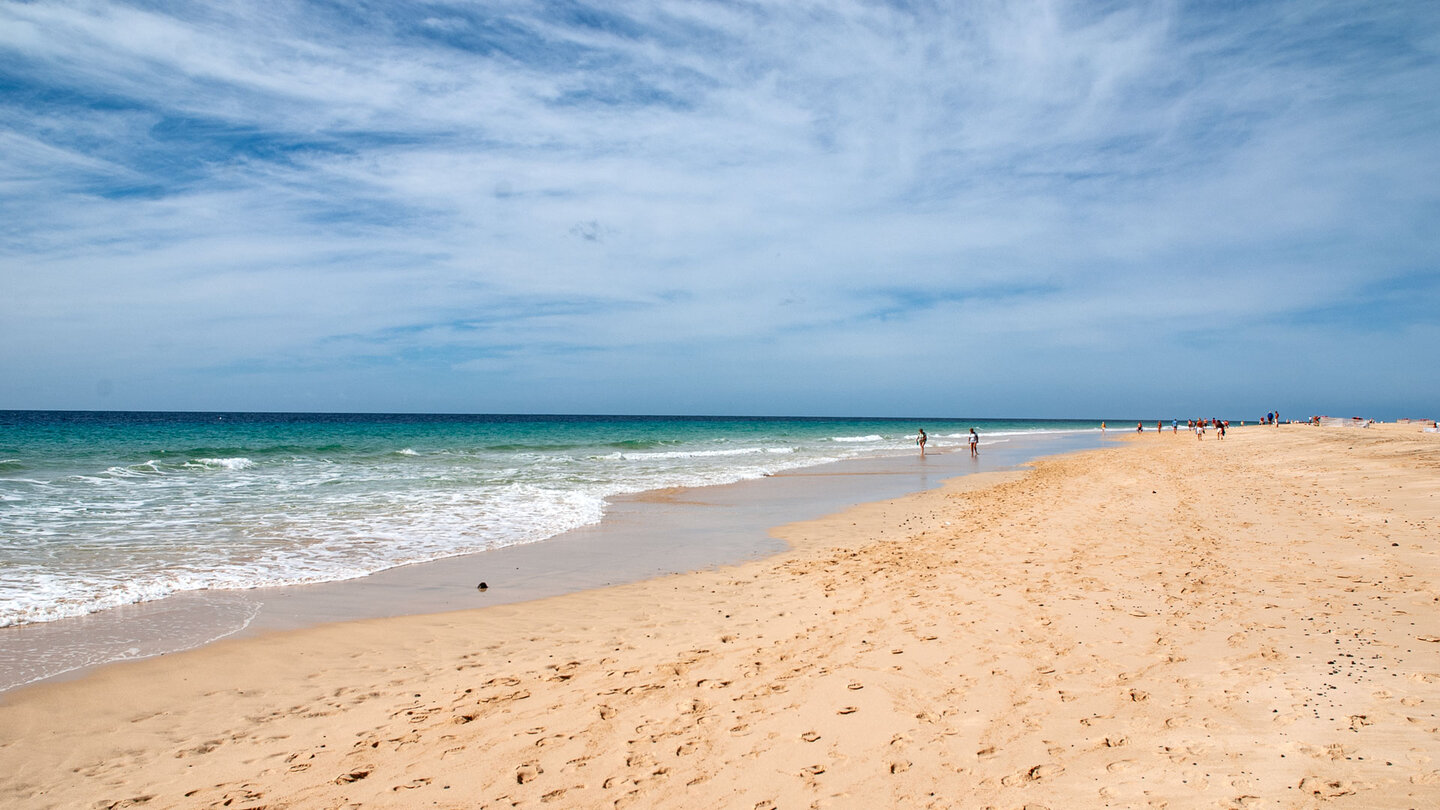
[[1167, 622]]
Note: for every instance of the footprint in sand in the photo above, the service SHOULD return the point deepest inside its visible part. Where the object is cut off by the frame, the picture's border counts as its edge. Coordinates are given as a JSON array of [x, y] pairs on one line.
[[1427, 778], [1326, 788], [135, 802], [1034, 774], [355, 775]]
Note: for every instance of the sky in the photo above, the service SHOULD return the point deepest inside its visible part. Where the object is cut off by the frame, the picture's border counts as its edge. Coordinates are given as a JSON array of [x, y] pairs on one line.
[[988, 209]]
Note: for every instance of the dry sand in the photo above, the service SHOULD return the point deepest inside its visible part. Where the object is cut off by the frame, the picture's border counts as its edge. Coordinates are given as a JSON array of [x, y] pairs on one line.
[[1164, 623]]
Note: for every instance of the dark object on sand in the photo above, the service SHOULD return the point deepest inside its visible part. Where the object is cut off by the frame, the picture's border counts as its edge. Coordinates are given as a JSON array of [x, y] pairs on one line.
[[482, 587]]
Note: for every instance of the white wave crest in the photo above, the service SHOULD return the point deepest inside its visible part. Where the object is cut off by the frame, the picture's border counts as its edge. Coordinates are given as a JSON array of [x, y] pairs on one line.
[[133, 471], [670, 455], [224, 463], [871, 438], [1045, 432]]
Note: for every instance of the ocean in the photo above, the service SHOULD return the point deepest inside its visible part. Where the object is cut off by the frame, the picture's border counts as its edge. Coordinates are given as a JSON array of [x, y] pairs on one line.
[[103, 510]]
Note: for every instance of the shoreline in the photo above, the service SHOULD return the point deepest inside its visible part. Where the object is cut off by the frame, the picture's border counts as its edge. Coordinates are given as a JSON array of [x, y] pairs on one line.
[[642, 536], [1243, 623]]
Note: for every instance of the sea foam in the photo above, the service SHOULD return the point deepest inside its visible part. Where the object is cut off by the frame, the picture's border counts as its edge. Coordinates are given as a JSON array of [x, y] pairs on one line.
[[224, 463]]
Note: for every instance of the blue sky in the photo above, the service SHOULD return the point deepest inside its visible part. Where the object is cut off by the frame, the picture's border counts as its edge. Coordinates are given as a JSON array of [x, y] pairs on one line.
[[848, 208]]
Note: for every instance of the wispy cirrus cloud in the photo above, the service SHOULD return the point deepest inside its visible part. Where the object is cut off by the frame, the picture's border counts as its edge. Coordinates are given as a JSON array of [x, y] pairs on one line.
[[652, 206]]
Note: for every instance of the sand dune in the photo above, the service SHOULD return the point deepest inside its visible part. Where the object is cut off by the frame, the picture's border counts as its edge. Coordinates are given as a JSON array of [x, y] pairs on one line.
[[1165, 623]]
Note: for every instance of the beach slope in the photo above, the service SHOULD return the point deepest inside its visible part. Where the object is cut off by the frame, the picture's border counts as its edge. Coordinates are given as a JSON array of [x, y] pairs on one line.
[[1252, 622]]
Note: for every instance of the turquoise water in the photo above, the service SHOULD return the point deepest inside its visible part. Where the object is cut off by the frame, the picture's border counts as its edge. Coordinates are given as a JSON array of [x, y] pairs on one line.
[[99, 510]]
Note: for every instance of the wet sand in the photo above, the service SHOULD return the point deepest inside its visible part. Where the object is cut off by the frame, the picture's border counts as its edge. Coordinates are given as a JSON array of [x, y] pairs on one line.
[[1166, 623]]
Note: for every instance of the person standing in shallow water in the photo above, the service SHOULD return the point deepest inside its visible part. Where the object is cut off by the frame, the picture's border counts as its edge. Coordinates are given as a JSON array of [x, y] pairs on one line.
[[920, 440], [974, 444]]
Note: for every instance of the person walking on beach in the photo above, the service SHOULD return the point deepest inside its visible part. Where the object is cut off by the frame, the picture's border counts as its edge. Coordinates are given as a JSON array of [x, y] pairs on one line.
[[920, 440], [974, 444]]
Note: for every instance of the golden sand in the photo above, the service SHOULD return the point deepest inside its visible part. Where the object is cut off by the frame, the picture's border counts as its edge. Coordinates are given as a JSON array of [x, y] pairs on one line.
[[1168, 622]]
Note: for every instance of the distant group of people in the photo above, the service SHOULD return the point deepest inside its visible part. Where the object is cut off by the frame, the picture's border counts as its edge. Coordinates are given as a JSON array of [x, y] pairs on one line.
[[1198, 426], [974, 442]]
